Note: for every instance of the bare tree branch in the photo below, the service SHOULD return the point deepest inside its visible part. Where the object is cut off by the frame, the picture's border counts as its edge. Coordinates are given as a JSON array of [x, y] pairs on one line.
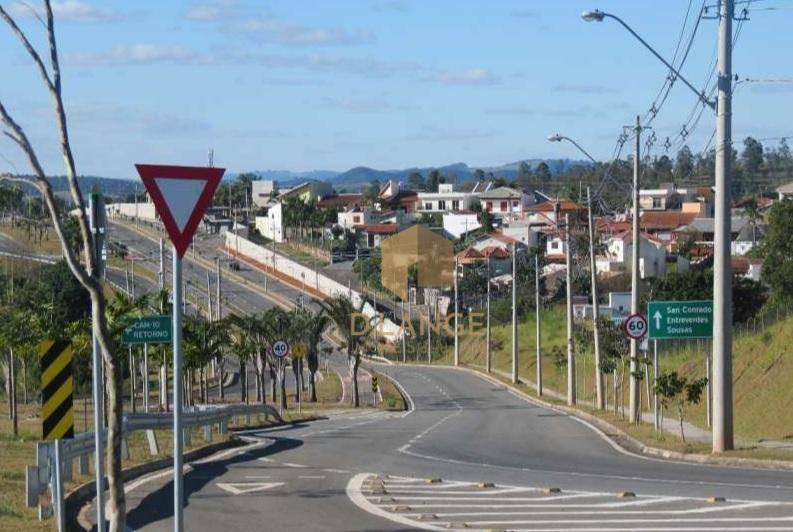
[[28, 47], [17, 178]]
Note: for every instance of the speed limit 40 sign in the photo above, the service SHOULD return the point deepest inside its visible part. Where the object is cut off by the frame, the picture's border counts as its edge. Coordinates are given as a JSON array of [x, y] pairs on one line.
[[281, 348], [635, 326]]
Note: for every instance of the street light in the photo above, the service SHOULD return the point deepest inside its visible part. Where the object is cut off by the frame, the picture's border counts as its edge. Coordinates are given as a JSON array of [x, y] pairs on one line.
[[600, 401], [560, 138], [598, 16], [722, 431]]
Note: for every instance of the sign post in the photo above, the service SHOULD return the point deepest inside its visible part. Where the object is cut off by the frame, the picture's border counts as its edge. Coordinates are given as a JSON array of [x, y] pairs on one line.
[[181, 195], [670, 320], [149, 330], [280, 350]]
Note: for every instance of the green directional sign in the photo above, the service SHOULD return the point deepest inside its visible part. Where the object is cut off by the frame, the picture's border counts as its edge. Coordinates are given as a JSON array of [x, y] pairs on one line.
[[671, 320], [149, 330]]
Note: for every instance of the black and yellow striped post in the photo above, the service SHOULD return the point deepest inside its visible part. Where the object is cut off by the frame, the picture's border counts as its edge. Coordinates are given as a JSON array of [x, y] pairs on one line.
[[57, 390]]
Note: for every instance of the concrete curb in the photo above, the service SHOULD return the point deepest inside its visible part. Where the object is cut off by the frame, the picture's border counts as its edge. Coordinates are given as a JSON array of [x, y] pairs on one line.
[[77, 500], [620, 439]]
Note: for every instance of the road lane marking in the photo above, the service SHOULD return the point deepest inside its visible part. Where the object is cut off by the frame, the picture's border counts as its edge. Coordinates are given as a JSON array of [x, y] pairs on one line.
[[525, 507], [241, 488], [311, 476]]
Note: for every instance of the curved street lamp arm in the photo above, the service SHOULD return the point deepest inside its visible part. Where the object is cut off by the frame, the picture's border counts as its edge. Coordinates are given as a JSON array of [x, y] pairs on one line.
[[700, 95]]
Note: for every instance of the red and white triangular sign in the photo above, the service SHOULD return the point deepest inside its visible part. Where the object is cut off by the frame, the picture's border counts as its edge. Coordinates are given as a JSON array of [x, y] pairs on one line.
[[181, 195]]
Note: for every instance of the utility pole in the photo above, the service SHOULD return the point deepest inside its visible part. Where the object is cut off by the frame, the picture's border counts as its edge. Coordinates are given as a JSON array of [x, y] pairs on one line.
[[487, 324], [571, 391], [209, 298], [722, 268], [97, 210], [634, 366], [404, 332], [537, 303], [600, 401], [218, 314], [514, 315], [161, 273], [132, 275], [456, 312]]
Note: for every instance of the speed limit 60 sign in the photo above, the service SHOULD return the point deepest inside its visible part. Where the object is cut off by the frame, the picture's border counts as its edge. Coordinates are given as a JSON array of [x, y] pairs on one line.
[[635, 326], [281, 348]]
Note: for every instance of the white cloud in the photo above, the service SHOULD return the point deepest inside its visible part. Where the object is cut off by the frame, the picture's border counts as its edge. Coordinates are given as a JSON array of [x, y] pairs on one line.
[[275, 30], [132, 54], [474, 76], [67, 10], [212, 10]]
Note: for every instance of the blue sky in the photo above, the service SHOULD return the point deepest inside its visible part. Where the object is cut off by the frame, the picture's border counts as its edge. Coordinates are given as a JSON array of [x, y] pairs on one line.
[[332, 84]]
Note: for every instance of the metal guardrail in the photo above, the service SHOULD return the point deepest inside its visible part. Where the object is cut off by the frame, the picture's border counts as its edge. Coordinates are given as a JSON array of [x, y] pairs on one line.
[[42, 476]]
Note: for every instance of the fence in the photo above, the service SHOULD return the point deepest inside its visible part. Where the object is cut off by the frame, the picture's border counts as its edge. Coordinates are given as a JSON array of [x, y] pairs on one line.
[[49, 473]]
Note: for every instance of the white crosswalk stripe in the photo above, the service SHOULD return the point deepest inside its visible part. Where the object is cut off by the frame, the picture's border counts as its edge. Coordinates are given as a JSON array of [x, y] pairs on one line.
[[451, 505]]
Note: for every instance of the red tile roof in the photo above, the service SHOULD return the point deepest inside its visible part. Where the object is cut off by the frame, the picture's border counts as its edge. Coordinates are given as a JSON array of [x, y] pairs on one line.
[[378, 229], [495, 252], [671, 220], [470, 254], [340, 200], [565, 205]]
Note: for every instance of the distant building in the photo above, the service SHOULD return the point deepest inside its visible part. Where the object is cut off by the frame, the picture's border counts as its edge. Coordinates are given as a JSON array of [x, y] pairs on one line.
[[445, 200], [262, 190], [370, 236], [619, 255], [340, 201], [506, 202], [309, 192], [272, 225], [355, 217], [785, 191], [460, 223]]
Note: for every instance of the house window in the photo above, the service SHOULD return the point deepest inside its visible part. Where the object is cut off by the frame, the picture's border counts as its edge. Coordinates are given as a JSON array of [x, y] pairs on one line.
[[657, 203], [515, 203], [428, 206], [455, 205], [489, 206], [442, 205], [503, 206], [356, 219], [554, 245]]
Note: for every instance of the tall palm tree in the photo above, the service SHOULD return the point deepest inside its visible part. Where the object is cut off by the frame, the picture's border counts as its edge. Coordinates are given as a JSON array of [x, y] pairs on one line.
[[342, 313], [313, 337], [203, 340]]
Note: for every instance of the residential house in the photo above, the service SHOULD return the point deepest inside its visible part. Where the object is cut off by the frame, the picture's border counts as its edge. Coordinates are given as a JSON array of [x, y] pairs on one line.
[[750, 268], [458, 224], [445, 200], [665, 226], [505, 202], [550, 212], [271, 226], [404, 200], [785, 191], [619, 255], [309, 192], [664, 198], [555, 245], [355, 216], [262, 190], [370, 236], [740, 232], [618, 308], [497, 239], [522, 231], [340, 201]]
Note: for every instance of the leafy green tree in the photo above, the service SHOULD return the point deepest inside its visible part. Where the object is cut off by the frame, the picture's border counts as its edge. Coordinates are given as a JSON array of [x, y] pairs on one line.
[[752, 156], [777, 248], [354, 330], [433, 180], [543, 172], [371, 193], [676, 390], [684, 163], [416, 181]]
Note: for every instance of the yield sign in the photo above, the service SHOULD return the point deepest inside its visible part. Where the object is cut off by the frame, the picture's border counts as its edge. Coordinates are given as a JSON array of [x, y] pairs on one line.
[[239, 488], [180, 194]]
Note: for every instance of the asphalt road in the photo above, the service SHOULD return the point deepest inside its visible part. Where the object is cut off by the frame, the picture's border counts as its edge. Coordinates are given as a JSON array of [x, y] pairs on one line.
[[368, 470]]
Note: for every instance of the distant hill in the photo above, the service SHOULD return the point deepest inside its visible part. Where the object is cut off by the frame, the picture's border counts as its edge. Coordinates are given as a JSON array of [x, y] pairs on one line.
[[456, 172], [110, 187]]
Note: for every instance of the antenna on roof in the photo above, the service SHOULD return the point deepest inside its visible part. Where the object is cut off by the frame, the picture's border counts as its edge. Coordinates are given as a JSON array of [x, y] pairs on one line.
[[211, 157]]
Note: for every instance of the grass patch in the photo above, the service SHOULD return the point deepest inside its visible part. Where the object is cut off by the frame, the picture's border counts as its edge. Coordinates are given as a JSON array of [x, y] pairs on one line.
[[392, 399]]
